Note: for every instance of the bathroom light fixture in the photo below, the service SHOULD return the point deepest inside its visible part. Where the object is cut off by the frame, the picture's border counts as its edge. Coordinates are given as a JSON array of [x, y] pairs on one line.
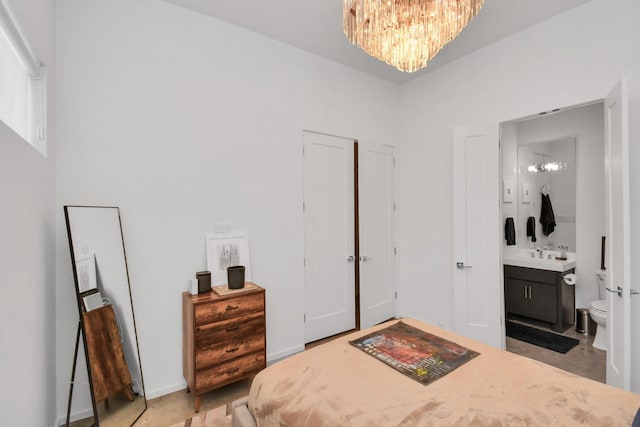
[[406, 34], [546, 166]]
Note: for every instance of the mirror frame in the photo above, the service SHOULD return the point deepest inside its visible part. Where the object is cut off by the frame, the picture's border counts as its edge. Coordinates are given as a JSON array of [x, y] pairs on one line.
[[81, 311]]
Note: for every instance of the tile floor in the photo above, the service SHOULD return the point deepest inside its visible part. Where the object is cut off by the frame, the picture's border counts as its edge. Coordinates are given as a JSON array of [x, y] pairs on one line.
[[583, 359]]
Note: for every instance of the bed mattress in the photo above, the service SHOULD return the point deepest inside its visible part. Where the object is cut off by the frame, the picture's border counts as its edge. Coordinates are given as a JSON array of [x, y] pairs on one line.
[[336, 384]]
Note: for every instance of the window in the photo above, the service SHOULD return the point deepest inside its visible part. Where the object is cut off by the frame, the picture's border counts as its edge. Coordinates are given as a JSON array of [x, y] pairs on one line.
[[22, 85]]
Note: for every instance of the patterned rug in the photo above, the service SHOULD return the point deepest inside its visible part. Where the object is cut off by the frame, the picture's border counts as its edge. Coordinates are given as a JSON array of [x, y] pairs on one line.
[[415, 353], [214, 418]]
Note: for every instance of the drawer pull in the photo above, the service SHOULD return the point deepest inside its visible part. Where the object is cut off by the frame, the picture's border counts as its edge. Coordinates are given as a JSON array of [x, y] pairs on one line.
[[231, 307], [231, 371], [235, 328], [231, 350]]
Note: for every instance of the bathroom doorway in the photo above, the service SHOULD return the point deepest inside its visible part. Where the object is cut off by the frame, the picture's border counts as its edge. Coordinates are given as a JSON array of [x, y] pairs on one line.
[[560, 154]]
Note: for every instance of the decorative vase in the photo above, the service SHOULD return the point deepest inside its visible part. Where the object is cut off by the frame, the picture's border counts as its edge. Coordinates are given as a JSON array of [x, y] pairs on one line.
[[204, 281], [235, 276]]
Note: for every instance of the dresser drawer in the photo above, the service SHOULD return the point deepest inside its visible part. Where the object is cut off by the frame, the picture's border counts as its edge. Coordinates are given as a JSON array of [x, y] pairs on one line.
[[228, 308], [225, 373], [230, 329], [227, 350]]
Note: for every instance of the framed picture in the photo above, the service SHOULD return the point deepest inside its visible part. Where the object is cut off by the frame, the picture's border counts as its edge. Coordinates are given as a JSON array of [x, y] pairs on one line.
[[226, 250], [86, 270]]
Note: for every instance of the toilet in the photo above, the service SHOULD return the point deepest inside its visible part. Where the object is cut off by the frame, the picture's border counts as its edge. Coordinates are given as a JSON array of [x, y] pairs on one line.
[[598, 312]]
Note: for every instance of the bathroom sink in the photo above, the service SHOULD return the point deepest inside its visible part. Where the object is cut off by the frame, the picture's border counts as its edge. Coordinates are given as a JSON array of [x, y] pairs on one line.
[[545, 263]]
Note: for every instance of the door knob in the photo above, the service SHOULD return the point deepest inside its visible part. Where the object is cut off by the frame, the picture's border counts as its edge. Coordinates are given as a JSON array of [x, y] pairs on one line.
[[461, 265], [350, 258], [365, 258]]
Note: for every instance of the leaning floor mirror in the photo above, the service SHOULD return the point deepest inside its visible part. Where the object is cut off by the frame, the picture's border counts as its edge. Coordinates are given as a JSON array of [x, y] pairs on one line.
[[107, 322]]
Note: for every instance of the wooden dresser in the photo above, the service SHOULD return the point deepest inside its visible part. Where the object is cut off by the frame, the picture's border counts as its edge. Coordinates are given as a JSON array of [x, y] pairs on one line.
[[223, 338]]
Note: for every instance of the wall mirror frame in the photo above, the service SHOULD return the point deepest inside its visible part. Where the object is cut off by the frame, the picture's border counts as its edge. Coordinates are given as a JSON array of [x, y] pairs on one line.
[[106, 316]]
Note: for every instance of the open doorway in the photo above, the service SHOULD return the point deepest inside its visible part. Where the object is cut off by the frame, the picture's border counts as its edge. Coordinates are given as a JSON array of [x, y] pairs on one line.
[[555, 159]]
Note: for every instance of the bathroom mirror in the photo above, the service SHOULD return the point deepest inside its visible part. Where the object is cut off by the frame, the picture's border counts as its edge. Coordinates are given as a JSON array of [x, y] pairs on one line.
[[548, 166], [107, 320]]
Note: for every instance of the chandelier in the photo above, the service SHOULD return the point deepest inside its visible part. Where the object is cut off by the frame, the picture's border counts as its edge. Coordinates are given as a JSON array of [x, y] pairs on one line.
[[406, 33]]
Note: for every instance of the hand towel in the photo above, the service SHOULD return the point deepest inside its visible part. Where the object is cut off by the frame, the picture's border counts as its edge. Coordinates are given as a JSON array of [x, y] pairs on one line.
[[510, 231], [547, 219], [531, 228]]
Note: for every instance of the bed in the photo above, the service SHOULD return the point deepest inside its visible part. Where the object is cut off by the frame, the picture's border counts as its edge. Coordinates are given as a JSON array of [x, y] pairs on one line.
[[337, 384]]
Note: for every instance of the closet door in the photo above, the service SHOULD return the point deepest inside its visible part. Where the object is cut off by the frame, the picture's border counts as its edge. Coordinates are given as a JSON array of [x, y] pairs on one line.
[[476, 240], [376, 233], [329, 235]]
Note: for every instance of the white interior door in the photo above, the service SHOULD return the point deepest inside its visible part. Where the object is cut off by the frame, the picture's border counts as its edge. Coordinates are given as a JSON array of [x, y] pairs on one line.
[[329, 273], [617, 222], [476, 235], [377, 233]]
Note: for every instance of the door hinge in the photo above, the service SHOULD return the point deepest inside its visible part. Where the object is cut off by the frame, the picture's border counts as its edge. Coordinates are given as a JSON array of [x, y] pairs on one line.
[[305, 317], [303, 206], [394, 162], [394, 207], [304, 262], [396, 292], [395, 250], [303, 150]]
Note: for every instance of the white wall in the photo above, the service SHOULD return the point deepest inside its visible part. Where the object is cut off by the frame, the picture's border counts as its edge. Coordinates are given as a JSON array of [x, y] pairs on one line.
[[568, 60], [27, 201], [184, 122], [586, 126]]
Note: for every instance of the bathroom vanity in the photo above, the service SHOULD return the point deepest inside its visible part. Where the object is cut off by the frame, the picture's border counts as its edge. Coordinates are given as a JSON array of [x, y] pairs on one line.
[[540, 293]]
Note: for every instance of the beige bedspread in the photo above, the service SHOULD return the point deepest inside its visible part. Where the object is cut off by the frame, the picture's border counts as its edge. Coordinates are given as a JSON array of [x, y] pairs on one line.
[[336, 384]]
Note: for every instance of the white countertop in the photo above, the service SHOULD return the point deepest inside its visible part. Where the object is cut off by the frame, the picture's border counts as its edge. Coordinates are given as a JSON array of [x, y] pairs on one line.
[[547, 262]]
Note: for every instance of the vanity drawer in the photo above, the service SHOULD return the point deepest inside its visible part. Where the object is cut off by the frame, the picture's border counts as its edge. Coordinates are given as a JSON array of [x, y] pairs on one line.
[[226, 373], [228, 308], [530, 274]]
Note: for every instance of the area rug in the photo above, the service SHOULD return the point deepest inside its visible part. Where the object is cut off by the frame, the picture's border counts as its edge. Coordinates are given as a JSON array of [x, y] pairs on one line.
[[415, 353], [214, 418], [555, 342]]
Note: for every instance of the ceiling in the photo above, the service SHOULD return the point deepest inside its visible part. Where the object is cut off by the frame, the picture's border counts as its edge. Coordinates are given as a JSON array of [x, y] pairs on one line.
[[316, 27]]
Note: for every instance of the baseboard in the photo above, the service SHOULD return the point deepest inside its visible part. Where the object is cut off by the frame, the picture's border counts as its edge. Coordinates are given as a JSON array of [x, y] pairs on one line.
[[276, 357], [75, 416], [166, 390]]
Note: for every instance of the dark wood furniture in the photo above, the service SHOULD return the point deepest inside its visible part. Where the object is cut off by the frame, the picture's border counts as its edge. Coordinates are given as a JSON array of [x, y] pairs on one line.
[[223, 339], [540, 295], [109, 371]]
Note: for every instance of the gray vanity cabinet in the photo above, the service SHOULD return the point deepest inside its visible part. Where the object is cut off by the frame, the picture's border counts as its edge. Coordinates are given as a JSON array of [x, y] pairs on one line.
[[541, 295]]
